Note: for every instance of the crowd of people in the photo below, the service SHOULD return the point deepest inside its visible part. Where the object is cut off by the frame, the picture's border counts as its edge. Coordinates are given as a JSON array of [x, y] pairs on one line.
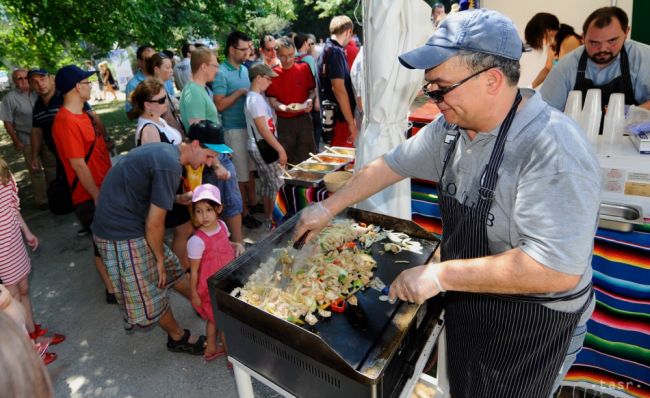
[[205, 132], [198, 156]]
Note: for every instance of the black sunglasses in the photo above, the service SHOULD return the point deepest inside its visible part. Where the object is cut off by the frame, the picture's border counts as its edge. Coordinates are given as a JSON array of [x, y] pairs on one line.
[[159, 101], [439, 95]]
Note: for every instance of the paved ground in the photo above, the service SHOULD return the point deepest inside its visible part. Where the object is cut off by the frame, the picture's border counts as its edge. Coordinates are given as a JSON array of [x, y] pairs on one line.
[[99, 358]]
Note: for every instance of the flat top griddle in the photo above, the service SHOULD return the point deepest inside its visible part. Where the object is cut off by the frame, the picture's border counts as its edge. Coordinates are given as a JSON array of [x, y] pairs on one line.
[[365, 336]]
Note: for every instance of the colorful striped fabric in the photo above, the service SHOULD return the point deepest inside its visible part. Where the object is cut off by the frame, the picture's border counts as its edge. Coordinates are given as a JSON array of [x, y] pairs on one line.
[[616, 354]]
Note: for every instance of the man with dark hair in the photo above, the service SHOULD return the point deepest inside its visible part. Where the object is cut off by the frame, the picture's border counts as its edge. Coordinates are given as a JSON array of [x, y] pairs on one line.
[[518, 286], [183, 69], [129, 230], [607, 61], [292, 95], [303, 51], [230, 87], [437, 14], [335, 85], [45, 109]]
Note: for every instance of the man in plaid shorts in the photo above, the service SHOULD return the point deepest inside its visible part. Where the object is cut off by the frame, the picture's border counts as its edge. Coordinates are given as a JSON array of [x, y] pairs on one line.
[[129, 229]]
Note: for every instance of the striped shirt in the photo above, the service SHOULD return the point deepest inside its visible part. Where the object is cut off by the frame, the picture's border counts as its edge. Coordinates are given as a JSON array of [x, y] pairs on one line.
[[14, 262]]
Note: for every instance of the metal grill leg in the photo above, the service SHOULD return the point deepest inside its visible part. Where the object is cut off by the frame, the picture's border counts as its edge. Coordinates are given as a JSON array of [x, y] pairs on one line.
[[243, 381]]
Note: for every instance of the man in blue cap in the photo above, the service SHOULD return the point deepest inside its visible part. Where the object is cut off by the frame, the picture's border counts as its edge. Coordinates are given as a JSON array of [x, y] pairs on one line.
[[519, 212], [82, 151], [129, 230]]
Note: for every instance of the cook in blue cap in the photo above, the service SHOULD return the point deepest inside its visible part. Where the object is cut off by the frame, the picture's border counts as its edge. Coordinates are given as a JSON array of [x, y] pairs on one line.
[[481, 30]]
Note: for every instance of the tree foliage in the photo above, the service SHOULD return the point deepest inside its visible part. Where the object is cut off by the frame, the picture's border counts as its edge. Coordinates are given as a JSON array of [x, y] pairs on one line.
[[51, 33]]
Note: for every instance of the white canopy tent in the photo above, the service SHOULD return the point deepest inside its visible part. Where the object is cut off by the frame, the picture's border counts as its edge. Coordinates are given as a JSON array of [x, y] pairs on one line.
[[391, 27]]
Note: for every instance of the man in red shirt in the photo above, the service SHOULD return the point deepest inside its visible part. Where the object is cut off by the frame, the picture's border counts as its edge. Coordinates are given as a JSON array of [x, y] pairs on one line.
[[82, 151], [292, 96]]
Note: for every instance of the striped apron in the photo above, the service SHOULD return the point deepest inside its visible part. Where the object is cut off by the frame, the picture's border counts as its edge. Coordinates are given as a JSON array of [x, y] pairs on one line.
[[498, 345]]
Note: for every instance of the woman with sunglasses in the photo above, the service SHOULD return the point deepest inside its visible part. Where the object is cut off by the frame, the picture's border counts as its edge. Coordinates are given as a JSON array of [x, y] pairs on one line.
[[160, 66], [149, 103]]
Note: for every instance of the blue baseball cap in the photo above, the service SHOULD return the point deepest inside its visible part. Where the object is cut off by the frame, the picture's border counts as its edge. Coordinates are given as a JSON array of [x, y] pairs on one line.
[[68, 76], [209, 135], [37, 71], [480, 30]]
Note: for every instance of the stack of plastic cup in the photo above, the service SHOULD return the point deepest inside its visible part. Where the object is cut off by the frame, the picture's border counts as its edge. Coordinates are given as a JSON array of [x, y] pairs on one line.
[[614, 119], [591, 113], [573, 107]]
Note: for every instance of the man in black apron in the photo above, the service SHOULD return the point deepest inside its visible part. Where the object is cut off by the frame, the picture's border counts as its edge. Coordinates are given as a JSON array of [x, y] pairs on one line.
[[519, 212], [606, 61]]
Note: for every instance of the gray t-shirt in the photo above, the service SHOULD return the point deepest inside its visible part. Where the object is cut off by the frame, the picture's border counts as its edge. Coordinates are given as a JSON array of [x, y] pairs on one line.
[[149, 174], [562, 77], [547, 195], [16, 107]]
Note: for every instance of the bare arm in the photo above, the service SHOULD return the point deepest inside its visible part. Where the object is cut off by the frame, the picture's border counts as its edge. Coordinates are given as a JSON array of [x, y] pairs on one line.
[[30, 238], [36, 139], [510, 272], [155, 235], [541, 76], [149, 134], [85, 177], [224, 102], [194, 281], [341, 94], [374, 177], [9, 126]]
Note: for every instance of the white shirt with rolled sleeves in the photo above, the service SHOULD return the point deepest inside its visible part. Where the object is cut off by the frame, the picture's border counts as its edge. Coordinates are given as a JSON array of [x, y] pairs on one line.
[[548, 193], [562, 77]]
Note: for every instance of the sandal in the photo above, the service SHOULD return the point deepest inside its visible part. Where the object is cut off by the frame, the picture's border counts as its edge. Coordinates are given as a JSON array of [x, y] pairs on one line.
[[49, 357], [220, 352], [183, 345]]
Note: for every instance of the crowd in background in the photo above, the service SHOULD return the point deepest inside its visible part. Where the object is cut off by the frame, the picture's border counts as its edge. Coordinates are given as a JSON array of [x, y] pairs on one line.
[[211, 141]]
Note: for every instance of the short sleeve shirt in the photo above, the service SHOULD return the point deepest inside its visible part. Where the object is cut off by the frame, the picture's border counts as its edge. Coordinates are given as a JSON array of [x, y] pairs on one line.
[[197, 104], [548, 192], [256, 107], [291, 86], [562, 78], [228, 80], [149, 174], [43, 117], [74, 135], [16, 107], [332, 64]]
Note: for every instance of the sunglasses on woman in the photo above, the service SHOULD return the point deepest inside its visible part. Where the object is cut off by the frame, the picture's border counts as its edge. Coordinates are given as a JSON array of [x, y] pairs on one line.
[[159, 100]]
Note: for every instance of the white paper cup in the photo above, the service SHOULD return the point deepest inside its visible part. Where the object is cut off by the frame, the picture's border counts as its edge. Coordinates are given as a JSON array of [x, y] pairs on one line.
[[591, 113], [573, 108]]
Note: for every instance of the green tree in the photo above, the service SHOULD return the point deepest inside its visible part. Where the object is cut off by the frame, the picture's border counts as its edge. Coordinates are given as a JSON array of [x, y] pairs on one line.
[[55, 32]]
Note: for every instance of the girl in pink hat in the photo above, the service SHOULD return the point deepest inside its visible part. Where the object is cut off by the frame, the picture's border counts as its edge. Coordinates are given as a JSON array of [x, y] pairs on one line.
[[209, 250]]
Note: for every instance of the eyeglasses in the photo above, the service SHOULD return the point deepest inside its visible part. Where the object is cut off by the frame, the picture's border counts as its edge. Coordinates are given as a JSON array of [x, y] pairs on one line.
[[439, 95], [311, 43], [22, 78], [159, 100], [241, 49], [268, 50]]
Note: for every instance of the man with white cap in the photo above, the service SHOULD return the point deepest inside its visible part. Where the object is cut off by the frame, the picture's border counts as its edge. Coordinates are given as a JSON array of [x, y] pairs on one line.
[[519, 212]]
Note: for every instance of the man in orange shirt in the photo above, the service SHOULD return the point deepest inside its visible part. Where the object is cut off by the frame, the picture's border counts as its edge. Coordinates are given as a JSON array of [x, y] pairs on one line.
[[292, 96], [82, 151]]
